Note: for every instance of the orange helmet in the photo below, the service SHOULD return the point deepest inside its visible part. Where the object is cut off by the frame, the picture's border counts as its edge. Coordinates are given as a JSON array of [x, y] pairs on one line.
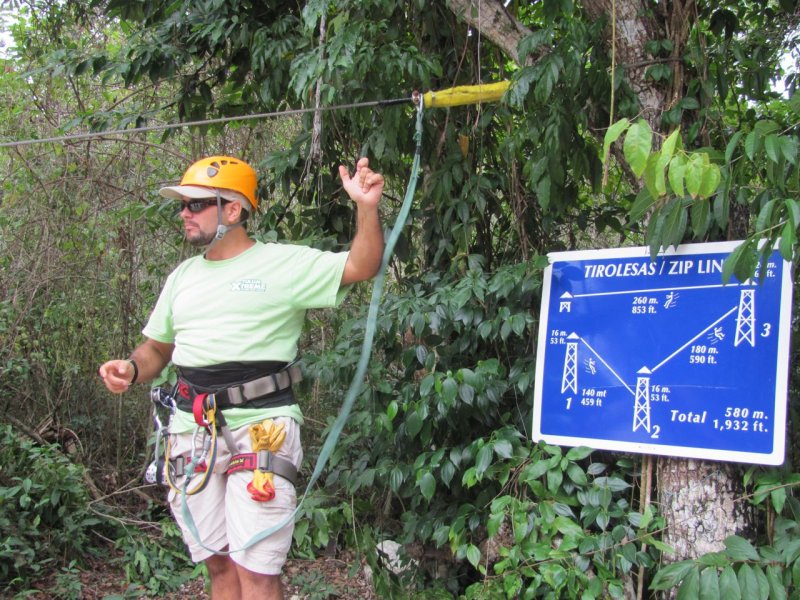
[[224, 172]]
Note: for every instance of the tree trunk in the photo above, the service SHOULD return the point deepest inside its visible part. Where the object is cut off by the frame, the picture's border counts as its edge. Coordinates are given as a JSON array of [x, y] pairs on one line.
[[697, 498], [699, 501], [633, 30]]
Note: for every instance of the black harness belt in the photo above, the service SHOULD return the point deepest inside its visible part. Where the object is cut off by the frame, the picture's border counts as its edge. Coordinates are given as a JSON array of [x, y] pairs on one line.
[[263, 460], [250, 393]]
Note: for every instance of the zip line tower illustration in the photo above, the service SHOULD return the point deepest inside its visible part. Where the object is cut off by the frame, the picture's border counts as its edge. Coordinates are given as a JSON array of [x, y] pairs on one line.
[[745, 333]]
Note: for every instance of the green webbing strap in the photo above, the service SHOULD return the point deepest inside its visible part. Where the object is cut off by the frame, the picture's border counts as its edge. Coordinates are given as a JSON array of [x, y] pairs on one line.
[[361, 368]]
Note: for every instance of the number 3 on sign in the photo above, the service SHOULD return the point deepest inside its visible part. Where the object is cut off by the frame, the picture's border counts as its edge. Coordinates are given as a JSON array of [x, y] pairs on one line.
[[766, 330]]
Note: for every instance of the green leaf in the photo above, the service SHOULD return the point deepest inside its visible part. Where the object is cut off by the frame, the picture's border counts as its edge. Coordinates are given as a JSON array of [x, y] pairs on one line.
[[710, 180], [568, 526], [641, 205], [670, 576], [729, 264], [473, 555], [503, 448], [413, 424], [654, 176], [752, 144], [748, 584], [467, 393], [777, 591], [615, 484], [722, 205], [789, 148], [638, 142], [714, 559], [484, 459], [793, 210], [564, 510], [427, 485], [653, 235], [690, 587], [729, 585], [779, 495], [787, 241], [765, 127], [494, 522], [694, 174], [446, 472], [676, 173], [674, 223], [709, 585], [739, 548], [761, 581], [391, 410], [577, 475], [543, 192], [578, 453], [612, 134], [765, 215], [729, 149], [701, 217], [670, 144], [427, 384], [554, 479], [796, 573], [773, 147], [449, 390]]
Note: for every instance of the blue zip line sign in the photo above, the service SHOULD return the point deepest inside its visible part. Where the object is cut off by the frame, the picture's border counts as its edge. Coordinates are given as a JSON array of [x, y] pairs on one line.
[[660, 357]]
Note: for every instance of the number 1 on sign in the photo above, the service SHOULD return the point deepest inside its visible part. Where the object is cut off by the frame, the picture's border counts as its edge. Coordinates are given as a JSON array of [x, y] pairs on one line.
[[569, 402]]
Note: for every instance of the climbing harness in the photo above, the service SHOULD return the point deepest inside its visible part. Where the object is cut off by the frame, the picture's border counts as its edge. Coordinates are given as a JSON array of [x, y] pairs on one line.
[[207, 412], [165, 469], [248, 393], [156, 471]]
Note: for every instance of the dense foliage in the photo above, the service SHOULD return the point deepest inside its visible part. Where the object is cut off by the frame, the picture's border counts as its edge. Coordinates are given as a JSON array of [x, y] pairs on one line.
[[44, 511], [437, 453]]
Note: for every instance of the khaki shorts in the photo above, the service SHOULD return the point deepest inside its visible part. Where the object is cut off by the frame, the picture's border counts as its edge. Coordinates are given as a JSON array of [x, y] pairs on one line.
[[225, 515]]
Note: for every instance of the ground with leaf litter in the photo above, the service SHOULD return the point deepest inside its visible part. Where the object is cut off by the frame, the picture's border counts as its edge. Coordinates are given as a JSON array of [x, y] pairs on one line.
[[319, 579]]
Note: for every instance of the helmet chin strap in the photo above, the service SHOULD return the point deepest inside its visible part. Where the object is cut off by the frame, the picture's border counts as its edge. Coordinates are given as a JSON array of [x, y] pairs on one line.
[[221, 228]]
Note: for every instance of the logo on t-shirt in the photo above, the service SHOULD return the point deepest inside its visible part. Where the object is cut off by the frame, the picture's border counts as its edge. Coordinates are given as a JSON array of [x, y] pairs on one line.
[[248, 285]]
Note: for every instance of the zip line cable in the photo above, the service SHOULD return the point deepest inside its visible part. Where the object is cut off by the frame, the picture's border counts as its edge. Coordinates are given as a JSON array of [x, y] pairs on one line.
[[167, 126], [456, 96]]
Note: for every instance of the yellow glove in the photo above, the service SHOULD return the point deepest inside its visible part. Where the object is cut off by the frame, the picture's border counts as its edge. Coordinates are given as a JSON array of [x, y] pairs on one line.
[[264, 436], [261, 488]]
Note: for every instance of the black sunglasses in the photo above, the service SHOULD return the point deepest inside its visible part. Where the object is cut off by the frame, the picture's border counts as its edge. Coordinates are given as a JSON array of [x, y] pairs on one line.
[[195, 206]]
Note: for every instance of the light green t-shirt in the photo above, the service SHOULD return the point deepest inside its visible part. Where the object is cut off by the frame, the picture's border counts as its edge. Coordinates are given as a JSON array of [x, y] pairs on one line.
[[247, 308]]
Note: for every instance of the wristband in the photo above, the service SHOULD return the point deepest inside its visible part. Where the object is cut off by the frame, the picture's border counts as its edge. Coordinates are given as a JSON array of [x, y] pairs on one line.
[[135, 370]]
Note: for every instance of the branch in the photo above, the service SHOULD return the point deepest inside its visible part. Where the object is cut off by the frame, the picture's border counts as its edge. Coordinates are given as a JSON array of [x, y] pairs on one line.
[[494, 22]]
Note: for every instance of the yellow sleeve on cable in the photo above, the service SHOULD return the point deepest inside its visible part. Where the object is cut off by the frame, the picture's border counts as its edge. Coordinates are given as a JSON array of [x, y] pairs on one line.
[[465, 94]]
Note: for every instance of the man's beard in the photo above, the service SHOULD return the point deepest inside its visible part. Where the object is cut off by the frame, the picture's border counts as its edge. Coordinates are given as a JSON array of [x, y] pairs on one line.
[[200, 238]]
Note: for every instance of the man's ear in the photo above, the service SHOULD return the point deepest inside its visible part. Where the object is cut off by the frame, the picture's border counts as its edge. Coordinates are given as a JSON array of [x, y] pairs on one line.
[[233, 211]]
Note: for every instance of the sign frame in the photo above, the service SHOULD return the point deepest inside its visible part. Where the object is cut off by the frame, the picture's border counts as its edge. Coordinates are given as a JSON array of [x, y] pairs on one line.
[[698, 393]]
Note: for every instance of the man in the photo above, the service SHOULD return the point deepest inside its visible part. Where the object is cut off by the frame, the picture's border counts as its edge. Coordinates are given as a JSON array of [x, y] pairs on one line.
[[229, 320]]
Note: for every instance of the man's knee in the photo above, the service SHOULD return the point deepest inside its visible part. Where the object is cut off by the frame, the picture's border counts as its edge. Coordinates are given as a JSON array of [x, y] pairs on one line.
[[220, 566], [258, 585]]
